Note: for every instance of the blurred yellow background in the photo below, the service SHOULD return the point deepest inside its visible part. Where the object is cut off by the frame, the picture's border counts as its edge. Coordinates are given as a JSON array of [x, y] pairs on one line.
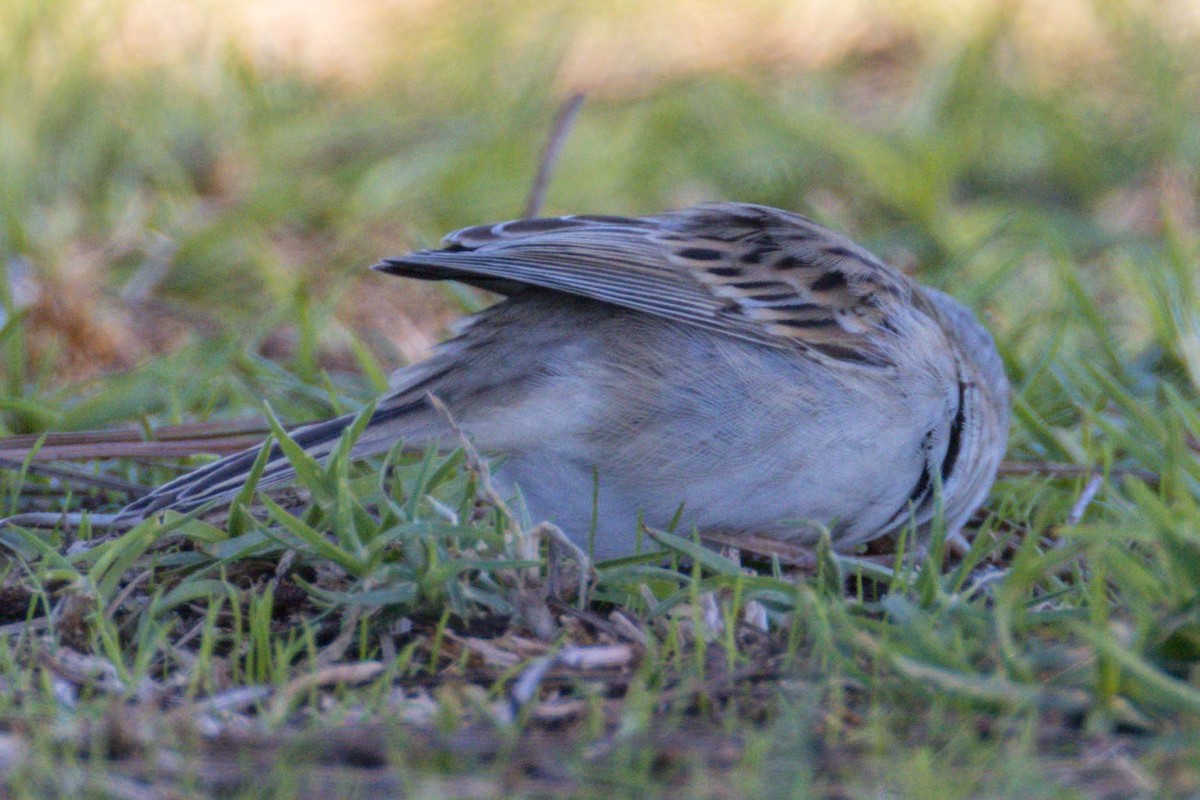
[[615, 46]]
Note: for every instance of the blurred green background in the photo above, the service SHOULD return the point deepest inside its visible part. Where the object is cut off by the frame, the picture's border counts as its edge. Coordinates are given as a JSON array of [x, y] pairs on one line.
[[183, 181]]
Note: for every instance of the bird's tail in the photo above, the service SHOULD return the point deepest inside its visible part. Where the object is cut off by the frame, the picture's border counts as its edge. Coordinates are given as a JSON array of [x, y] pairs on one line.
[[220, 481]]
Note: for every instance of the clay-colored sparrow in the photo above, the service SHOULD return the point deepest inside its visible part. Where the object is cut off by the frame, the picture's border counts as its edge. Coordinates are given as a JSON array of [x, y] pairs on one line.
[[760, 370]]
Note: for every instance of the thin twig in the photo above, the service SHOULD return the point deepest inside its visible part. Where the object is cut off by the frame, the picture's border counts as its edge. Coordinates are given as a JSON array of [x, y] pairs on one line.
[[1072, 470], [628, 632], [581, 658], [164, 433], [563, 122], [335, 650], [789, 553], [1085, 499], [554, 534], [242, 697], [106, 450], [334, 674], [485, 491]]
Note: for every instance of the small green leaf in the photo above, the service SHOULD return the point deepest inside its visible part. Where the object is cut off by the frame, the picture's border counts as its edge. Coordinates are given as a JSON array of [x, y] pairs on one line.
[[829, 581], [710, 560]]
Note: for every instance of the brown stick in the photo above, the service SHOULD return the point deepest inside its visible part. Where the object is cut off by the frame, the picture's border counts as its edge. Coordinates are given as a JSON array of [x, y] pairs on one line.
[[103, 450], [563, 122], [167, 441], [163, 433]]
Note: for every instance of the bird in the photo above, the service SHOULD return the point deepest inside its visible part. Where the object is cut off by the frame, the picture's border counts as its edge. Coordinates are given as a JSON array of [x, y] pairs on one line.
[[729, 367]]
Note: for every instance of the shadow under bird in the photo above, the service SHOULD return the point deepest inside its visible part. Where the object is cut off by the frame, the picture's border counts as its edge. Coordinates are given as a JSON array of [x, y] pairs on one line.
[[761, 371]]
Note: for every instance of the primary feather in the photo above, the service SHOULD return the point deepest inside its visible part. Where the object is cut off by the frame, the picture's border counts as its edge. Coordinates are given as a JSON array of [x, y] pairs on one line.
[[753, 272]]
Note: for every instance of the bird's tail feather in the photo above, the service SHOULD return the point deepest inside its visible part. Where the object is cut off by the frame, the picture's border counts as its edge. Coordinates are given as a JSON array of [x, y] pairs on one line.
[[221, 480]]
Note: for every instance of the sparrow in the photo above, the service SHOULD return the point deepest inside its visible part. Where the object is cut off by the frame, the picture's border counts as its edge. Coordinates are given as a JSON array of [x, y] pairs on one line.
[[735, 368]]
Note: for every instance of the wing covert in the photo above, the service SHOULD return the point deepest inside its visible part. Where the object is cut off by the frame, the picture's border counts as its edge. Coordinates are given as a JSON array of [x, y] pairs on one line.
[[747, 271]]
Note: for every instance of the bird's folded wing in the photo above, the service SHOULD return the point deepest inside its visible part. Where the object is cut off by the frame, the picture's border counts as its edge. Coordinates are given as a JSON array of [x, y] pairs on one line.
[[747, 271]]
